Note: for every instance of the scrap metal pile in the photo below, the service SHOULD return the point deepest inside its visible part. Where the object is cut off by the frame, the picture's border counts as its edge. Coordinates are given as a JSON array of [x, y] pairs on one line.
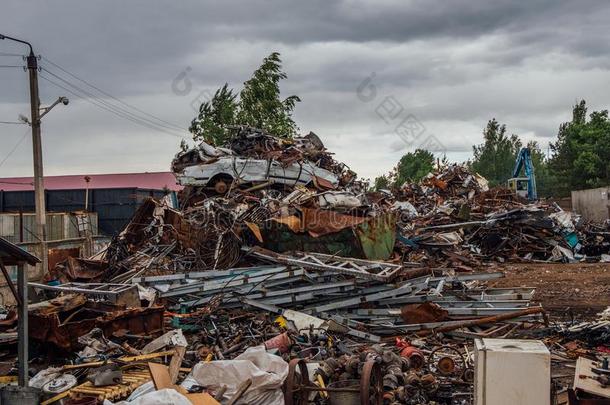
[[377, 333], [452, 219], [258, 190], [280, 279]]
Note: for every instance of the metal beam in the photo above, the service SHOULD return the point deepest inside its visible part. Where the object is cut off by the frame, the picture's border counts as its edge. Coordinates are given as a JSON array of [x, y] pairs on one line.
[[368, 269], [10, 283], [22, 286], [404, 289], [221, 285], [209, 274]]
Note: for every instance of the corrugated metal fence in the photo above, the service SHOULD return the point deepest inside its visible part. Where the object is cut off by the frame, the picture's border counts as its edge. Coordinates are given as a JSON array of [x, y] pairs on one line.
[[20, 228]]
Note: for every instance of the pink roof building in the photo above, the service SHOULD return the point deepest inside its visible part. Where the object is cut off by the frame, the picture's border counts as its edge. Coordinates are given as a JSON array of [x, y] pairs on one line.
[[148, 181]]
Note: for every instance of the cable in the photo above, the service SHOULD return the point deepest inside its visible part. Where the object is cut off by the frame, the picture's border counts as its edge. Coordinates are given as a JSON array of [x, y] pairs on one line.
[[96, 103], [113, 97], [10, 54], [116, 109], [106, 103], [12, 66], [14, 147], [110, 110], [12, 122]]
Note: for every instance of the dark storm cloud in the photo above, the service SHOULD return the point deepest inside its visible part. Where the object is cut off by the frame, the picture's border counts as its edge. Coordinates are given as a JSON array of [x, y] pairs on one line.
[[453, 65]]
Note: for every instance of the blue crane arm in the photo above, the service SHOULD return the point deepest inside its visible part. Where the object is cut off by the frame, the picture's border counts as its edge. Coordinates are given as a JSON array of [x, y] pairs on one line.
[[524, 160], [520, 161]]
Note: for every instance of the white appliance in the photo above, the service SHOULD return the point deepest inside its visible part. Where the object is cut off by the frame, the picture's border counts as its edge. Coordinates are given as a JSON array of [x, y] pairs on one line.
[[512, 372]]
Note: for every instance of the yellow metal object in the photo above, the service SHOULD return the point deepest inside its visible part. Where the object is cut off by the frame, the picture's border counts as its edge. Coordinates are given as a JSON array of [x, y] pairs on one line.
[[321, 382], [8, 379], [281, 321], [126, 359]]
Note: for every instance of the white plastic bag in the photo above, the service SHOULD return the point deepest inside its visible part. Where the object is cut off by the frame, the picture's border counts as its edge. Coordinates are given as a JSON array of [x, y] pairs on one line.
[[267, 372], [161, 397]]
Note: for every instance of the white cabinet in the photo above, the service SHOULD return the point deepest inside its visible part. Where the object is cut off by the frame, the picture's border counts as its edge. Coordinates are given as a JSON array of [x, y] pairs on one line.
[[512, 372]]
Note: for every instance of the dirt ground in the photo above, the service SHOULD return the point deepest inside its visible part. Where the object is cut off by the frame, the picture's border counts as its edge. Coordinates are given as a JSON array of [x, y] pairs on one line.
[[563, 289]]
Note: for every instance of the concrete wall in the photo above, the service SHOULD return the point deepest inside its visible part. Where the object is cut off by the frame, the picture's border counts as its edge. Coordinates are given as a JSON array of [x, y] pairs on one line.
[[592, 204]]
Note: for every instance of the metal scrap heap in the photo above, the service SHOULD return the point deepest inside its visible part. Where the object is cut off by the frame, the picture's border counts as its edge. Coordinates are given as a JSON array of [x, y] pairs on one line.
[[278, 278], [452, 219]]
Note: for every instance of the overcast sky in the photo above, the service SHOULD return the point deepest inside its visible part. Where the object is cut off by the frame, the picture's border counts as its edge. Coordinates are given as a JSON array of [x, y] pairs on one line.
[[376, 78]]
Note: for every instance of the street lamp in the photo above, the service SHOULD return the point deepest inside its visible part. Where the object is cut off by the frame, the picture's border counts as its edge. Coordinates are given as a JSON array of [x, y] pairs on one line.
[[45, 110]]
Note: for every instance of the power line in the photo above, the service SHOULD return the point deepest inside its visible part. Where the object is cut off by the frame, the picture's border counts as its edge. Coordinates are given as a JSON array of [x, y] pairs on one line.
[[102, 106], [110, 110], [12, 122], [113, 97], [114, 107], [12, 66], [106, 106], [14, 148]]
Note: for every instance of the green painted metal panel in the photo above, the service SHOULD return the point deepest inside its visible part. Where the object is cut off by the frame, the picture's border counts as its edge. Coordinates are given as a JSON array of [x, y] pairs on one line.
[[373, 239], [377, 236]]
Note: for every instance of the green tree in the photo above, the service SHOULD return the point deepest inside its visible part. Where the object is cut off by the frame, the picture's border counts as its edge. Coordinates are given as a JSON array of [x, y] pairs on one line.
[[260, 102], [259, 105], [413, 166], [215, 116], [582, 151], [494, 159], [382, 182]]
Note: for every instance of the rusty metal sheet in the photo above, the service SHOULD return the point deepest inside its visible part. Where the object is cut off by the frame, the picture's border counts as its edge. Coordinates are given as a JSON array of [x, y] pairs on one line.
[[423, 313], [75, 269], [51, 323], [58, 255]]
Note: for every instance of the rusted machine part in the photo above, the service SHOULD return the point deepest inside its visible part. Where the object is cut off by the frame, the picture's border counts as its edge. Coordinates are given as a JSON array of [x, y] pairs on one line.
[[468, 375], [352, 364], [371, 384], [412, 379], [295, 386], [428, 380], [446, 365], [415, 356], [221, 187]]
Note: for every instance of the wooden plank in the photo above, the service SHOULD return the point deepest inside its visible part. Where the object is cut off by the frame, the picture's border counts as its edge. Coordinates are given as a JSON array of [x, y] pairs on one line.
[[202, 399], [175, 363], [160, 375]]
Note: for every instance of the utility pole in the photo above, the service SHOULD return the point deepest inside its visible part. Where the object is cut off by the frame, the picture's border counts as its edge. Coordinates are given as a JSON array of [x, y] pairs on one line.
[[36, 115], [41, 220], [39, 197], [22, 273]]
